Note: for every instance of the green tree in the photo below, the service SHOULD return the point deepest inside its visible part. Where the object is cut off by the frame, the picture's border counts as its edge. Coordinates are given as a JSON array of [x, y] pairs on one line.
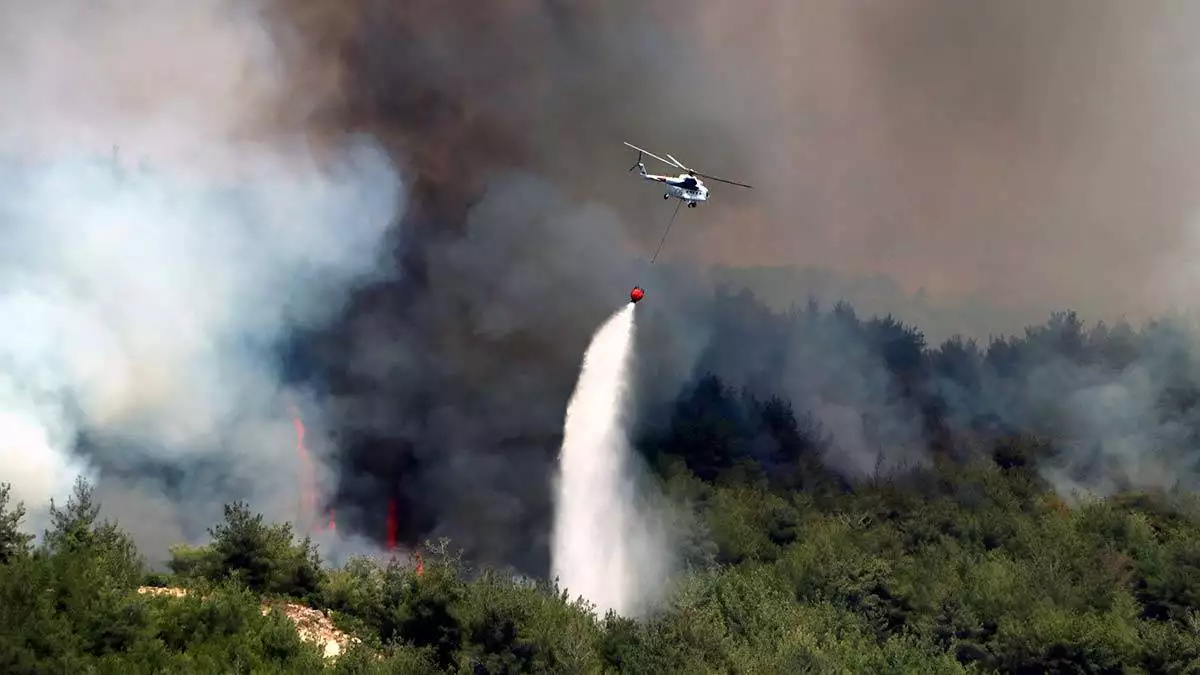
[[13, 542], [264, 557]]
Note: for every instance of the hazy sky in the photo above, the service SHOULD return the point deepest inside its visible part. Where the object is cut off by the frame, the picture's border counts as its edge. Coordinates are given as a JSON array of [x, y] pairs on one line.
[[1027, 152]]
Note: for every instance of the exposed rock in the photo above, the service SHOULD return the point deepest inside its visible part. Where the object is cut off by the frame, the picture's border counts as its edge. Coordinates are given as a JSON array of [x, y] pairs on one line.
[[313, 625]]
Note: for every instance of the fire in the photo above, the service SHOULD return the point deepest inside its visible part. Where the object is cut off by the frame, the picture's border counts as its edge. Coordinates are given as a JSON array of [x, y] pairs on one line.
[[308, 488], [308, 479], [308, 499], [391, 525]]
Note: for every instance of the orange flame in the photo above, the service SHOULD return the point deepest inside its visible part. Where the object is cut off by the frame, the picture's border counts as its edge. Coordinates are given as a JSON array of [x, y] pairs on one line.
[[391, 525], [308, 480], [308, 499]]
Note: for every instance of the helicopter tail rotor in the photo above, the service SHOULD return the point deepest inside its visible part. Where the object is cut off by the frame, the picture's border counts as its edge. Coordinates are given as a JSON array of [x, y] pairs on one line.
[[638, 162]]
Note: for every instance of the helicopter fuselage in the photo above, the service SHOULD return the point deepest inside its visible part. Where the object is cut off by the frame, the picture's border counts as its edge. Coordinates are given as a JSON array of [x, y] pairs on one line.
[[689, 189]]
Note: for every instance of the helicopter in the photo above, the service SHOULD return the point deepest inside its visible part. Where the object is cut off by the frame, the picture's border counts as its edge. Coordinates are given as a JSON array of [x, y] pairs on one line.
[[686, 187]]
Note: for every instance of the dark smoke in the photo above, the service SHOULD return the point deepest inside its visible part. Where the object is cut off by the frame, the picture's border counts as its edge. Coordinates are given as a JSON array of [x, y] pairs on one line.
[[945, 147], [447, 388]]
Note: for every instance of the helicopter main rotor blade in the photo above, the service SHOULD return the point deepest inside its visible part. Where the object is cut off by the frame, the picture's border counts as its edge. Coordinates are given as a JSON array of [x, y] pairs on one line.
[[648, 153], [731, 182], [679, 163]]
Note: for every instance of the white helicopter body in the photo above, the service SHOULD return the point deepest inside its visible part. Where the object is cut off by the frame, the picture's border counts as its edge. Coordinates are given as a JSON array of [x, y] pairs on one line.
[[687, 188]]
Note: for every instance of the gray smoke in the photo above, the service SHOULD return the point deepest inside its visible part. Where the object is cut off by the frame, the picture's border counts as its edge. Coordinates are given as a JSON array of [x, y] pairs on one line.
[[1116, 402], [143, 301]]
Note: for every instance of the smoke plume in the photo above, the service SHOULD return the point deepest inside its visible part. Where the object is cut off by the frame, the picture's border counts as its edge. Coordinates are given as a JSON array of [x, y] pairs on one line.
[[144, 298]]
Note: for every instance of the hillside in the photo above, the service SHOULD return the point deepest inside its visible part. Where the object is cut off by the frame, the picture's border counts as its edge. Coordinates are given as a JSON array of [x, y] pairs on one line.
[[974, 570], [999, 530]]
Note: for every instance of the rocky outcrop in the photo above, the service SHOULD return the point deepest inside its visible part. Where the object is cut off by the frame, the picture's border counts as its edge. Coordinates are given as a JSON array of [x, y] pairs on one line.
[[313, 625]]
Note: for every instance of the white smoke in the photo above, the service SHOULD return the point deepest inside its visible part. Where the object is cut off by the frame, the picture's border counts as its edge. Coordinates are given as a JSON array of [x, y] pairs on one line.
[[604, 549], [142, 305]]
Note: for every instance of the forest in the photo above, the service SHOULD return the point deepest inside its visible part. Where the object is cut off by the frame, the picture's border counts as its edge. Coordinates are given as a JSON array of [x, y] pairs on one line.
[[860, 501]]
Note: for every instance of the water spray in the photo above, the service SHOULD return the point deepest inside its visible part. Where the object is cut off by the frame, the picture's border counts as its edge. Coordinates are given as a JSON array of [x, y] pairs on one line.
[[600, 544]]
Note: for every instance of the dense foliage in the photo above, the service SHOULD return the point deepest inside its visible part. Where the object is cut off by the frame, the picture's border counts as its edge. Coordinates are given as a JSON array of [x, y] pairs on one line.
[[973, 556]]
